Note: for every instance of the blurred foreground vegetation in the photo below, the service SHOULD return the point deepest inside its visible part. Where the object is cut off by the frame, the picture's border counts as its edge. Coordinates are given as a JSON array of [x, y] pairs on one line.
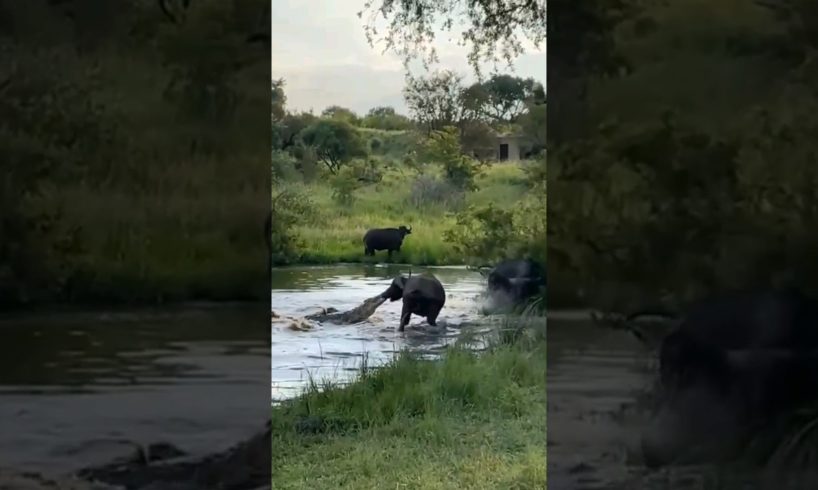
[[134, 151], [690, 164]]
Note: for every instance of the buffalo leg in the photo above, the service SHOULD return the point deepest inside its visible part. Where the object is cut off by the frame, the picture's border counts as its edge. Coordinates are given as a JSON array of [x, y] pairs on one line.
[[431, 318], [389, 253], [405, 315]]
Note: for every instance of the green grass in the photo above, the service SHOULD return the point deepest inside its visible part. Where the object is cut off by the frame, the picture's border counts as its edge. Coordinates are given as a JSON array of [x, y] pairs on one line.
[[467, 421], [336, 232], [195, 243], [159, 221]]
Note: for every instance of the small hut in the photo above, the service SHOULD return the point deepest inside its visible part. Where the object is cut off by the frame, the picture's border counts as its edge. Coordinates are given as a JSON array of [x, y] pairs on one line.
[[512, 147]]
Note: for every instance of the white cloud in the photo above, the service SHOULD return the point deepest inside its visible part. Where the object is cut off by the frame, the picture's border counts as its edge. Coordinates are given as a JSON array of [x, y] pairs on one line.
[[320, 49]]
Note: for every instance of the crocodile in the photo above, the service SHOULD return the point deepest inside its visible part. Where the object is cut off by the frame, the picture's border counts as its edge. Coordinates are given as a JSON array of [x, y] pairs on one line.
[[355, 315]]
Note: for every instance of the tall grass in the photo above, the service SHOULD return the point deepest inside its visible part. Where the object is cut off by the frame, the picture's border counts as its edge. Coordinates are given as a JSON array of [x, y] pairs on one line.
[[335, 232], [177, 212], [470, 420]]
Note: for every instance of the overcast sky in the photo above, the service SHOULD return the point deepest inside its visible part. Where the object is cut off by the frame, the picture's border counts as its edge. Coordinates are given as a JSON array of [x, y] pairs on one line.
[[320, 49]]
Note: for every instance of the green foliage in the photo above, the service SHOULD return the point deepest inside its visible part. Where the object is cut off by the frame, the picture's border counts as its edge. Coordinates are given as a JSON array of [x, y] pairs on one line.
[[288, 208], [443, 146], [430, 191], [46, 102], [716, 197], [86, 211], [367, 171], [344, 186], [287, 132], [392, 145], [533, 124], [203, 81], [335, 142], [501, 98], [341, 114], [492, 29], [487, 234], [467, 421], [283, 166], [436, 101], [479, 139], [278, 100], [386, 119], [425, 202]]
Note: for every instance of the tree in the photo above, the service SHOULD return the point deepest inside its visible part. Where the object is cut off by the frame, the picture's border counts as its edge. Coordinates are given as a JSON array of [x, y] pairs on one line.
[[278, 100], [477, 139], [492, 29], [335, 142], [534, 121], [502, 98], [291, 127], [382, 111], [386, 118], [443, 146], [342, 114], [203, 81], [436, 101]]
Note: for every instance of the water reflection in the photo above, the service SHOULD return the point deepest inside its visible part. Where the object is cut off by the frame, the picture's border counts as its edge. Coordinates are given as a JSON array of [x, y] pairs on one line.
[[72, 384]]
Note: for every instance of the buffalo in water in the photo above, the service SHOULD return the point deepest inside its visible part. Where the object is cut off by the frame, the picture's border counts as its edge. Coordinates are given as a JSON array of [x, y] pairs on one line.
[[389, 239], [422, 295], [515, 281], [729, 367]]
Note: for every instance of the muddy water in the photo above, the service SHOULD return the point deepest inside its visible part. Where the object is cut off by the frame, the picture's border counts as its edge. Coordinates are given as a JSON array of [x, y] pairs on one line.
[[78, 388], [336, 352], [597, 382], [595, 376]]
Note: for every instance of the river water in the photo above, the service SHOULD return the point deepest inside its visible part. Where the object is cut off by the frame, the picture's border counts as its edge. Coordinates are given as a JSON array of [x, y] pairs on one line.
[[73, 385], [79, 388], [336, 352], [595, 376]]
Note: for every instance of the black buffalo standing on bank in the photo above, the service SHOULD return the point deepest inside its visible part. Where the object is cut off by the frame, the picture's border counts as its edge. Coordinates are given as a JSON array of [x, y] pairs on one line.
[[728, 368], [422, 295], [389, 239], [516, 279]]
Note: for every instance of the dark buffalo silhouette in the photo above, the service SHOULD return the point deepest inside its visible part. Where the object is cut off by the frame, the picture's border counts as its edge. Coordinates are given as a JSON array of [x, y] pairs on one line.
[[389, 239], [732, 364], [516, 279], [422, 295]]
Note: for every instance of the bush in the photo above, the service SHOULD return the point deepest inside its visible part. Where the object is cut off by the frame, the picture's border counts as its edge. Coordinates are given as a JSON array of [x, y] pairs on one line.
[[489, 234], [288, 208], [284, 165], [428, 190], [344, 186], [366, 171], [444, 147], [335, 142]]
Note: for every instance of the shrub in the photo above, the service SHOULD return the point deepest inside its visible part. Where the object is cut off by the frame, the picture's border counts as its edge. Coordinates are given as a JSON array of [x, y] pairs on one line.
[[444, 147], [428, 190], [288, 208]]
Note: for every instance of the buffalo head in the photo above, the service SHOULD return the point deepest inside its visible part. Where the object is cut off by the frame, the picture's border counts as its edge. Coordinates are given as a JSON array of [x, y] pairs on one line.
[[404, 230], [395, 290]]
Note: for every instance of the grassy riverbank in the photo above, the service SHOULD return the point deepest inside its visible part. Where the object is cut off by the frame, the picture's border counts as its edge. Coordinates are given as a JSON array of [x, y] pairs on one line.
[[334, 232], [466, 422]]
